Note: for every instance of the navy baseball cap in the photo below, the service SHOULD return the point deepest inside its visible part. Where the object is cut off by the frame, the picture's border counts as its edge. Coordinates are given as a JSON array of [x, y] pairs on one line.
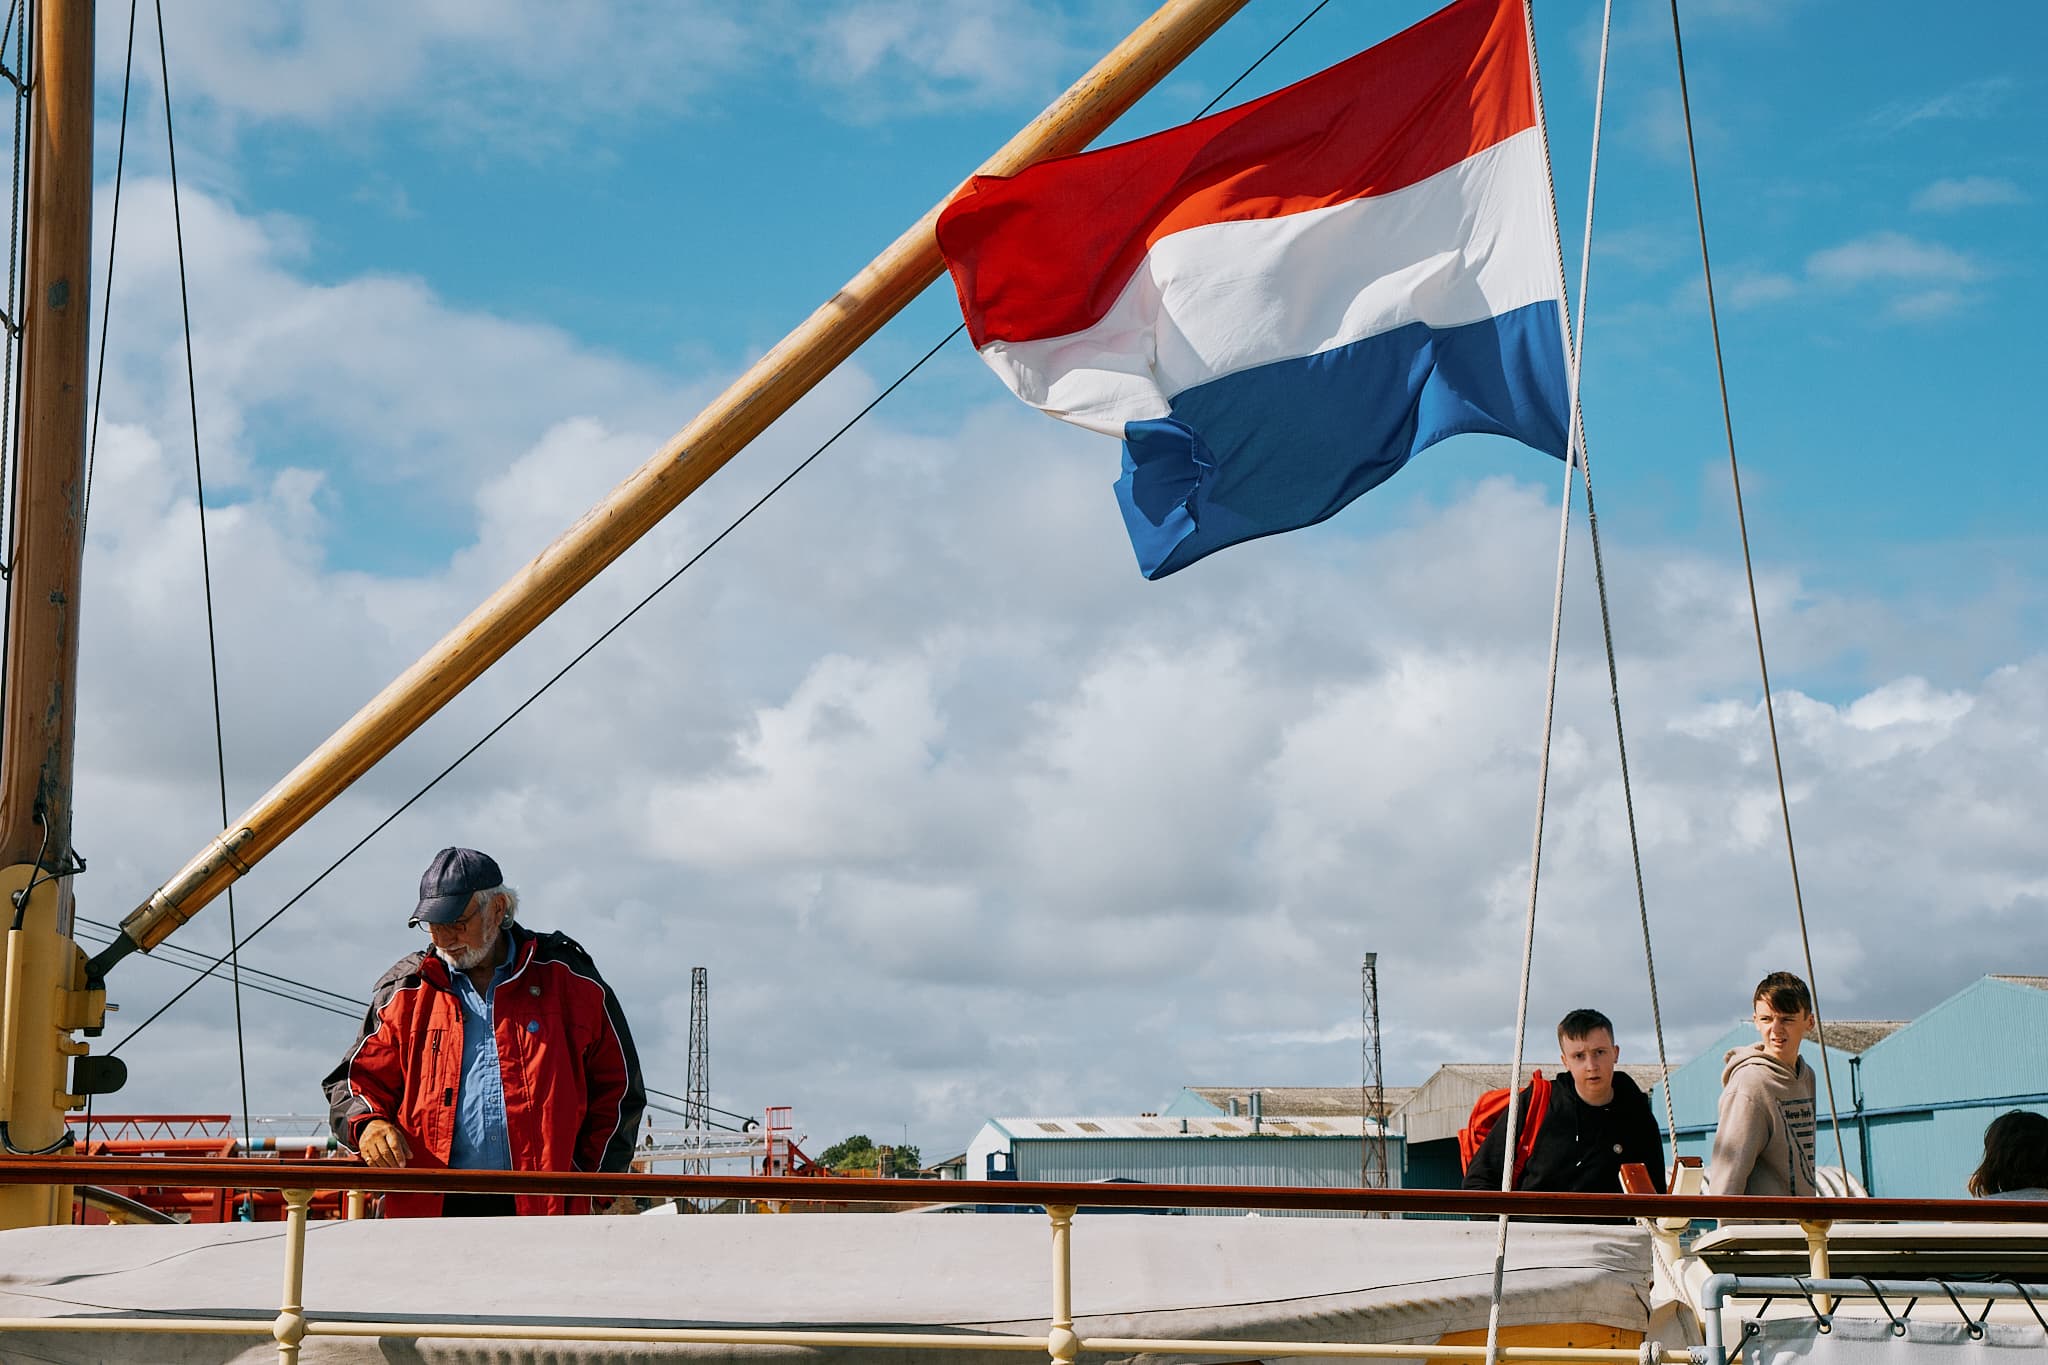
[[455, 875]]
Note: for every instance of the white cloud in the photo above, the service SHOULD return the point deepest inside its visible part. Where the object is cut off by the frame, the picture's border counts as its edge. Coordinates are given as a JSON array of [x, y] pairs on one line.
[[1967, 192], [901, 55], [1892, 256], [1925, 304], [1754, 291], [962, 815], [472, 66], [1974, 99]]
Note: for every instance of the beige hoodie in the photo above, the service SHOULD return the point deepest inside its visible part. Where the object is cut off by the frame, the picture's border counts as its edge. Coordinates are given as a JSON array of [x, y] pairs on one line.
[[1763, 1143]]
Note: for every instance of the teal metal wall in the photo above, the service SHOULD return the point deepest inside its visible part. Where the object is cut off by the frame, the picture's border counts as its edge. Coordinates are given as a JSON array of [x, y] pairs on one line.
[[1927, 1091], [1930, 1089]]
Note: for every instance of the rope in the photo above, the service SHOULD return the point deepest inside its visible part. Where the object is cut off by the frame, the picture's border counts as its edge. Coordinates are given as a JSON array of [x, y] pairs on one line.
[[205, 560], [1749, 572], [1510, 1139], [612, 629], [269, 983], [10, 364], [1577, 344], [1510, 1147], [1242, 75], [92, 445]]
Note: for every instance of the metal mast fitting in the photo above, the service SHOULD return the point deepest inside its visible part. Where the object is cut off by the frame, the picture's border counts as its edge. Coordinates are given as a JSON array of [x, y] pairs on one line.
[[1372, 1171]]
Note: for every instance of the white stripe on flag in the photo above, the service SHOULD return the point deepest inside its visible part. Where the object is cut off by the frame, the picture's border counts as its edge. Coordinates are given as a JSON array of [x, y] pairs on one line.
[[1469, 243]]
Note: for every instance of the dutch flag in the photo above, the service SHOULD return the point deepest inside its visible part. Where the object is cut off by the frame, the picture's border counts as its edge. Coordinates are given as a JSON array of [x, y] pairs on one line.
[[1277, 306]]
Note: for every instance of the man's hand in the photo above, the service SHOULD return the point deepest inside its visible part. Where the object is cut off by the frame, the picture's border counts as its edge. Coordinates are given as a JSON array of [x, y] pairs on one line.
[[383, 1145]]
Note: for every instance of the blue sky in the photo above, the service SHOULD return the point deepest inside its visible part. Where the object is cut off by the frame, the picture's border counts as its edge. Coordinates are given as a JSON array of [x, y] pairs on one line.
[[457, 272], [1871, 228]]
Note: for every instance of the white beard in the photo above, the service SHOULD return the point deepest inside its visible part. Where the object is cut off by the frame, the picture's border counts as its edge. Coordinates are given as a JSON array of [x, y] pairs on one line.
[[469, 959]]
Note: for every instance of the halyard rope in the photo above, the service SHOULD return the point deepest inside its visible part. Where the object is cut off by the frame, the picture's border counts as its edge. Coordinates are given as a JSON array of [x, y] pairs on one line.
[[1628, 800], [220, 749], [1749, 571], [92, 445]]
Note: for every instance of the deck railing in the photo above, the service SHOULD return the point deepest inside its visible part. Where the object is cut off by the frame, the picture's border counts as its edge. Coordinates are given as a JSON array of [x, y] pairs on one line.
[[300, 1180]]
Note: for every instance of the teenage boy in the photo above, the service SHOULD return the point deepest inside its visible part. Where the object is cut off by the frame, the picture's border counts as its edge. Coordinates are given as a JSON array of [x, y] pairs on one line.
[[1763, 1143], [1596, 1120]]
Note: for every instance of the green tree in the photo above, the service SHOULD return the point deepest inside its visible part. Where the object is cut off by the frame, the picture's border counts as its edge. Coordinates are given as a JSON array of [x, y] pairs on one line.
[[859, 1153]]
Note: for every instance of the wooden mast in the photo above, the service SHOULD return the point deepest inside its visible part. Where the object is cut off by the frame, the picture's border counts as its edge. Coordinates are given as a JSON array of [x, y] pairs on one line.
[[742, 412], [44, 997]]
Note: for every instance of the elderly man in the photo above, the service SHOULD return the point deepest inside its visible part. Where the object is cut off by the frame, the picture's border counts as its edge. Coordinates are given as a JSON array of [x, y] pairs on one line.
[[501, 1049]]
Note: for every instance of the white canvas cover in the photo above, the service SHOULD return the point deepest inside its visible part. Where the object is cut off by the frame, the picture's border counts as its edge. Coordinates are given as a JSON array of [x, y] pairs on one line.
[[1250, 1278], [1868, 1341]]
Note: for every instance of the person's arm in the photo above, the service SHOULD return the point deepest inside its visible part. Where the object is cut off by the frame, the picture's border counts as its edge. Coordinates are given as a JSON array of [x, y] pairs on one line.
[[614, 1096], [1740, 1132], [364, 1088]]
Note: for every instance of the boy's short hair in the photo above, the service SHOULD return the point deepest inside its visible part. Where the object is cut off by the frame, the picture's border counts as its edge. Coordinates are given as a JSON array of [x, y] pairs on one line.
[[1785, 993], [1579, 1023]]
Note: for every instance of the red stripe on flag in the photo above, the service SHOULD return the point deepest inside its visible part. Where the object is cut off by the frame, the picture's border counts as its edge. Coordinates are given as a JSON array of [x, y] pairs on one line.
[[1046, 252]]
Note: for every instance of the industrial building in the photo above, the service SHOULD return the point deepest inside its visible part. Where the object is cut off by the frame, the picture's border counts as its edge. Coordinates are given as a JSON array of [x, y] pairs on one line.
[[1301, 1101], [1912, 1098], [1254, 1149]]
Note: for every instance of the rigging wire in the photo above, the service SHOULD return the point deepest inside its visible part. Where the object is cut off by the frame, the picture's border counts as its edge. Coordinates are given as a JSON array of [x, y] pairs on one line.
[[92, 445], [10, 370], [1749, 572], [283, 987], [205, 559], [1261, 61], [631, 612], [1510, 1142], [1577, 361], [355, 1005]]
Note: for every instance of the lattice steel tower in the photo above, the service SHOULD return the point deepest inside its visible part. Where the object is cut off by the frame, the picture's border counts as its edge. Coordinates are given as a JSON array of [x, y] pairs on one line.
[[1372, 1173], [697, 1094]]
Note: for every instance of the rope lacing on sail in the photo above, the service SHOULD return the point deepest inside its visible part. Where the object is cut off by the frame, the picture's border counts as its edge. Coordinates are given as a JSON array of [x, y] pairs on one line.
[[1749, 573]]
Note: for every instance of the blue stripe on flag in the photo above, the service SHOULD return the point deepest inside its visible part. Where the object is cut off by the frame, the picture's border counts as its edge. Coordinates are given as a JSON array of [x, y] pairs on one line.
[[1290, 444]]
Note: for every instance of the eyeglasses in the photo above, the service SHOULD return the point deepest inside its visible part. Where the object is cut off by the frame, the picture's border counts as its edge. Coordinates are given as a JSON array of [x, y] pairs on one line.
[[457, 927]]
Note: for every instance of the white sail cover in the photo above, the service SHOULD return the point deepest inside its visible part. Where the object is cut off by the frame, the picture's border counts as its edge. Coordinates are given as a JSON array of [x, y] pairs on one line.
[[1873, 1341], [1249, 1278]]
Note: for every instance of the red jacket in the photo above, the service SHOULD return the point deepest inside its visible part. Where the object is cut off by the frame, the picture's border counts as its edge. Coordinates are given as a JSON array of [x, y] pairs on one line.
[[572, 1079]]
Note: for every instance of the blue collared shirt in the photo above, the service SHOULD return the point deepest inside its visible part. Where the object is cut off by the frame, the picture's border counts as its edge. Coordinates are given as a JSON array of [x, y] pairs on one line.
[[480, 1141]]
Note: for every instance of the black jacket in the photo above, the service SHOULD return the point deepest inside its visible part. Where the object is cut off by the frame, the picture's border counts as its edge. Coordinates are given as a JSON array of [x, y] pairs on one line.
[[1580, 1148]]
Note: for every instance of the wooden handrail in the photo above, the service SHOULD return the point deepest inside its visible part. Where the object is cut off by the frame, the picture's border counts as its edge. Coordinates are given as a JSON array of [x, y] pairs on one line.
[[333, 1174]]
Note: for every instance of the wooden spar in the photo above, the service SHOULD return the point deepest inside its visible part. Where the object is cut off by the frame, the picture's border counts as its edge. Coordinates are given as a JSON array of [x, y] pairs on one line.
[[691, 456], [43, 994], [40, 712]]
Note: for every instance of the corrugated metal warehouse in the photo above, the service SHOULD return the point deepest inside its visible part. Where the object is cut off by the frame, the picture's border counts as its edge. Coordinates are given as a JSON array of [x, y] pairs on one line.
[[1290, 1150], [1299, 1101], [1921, 1092]]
